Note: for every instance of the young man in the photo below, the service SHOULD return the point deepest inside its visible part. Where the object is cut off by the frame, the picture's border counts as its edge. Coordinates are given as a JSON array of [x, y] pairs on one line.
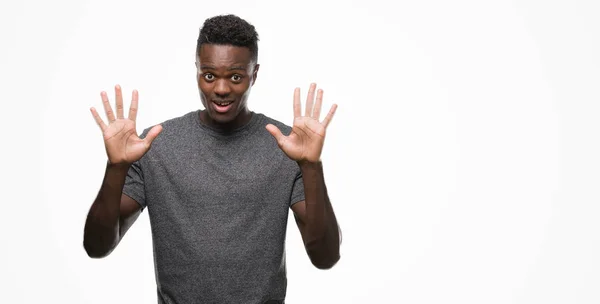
[[218, 183]]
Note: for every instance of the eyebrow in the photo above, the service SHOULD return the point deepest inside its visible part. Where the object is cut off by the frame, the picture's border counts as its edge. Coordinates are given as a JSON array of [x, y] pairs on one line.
[[233, 68]]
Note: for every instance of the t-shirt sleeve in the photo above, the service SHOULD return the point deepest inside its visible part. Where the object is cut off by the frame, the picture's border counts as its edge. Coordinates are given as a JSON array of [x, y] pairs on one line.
[[134, 184], [297, 189]]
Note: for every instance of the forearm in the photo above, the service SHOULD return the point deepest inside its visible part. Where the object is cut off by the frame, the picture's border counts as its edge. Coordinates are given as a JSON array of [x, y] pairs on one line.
[[101, 232], [322, 239]]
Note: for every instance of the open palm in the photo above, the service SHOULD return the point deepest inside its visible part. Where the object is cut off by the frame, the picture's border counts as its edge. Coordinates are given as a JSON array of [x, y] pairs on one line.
[[305, 141], [123, 145]]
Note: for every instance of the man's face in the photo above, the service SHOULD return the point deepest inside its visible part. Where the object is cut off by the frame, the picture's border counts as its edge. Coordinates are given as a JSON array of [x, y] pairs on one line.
[[225, 75]]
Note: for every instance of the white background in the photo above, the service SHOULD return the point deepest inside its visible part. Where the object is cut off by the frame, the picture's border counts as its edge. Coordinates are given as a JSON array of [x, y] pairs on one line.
[[463, 162]]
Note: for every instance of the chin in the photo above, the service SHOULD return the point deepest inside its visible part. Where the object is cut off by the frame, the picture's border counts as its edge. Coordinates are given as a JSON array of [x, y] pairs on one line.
[[223, 118]]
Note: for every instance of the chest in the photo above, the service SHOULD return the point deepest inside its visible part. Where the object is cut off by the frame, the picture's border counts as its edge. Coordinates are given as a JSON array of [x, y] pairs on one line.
[[235, 174], [207, 192]]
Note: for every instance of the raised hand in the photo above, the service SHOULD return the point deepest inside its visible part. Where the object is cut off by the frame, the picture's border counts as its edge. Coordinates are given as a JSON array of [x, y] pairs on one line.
[[305, 142], [123, 146]]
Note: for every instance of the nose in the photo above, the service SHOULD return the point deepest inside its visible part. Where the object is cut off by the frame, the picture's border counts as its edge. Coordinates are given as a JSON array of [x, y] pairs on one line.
[[222, 88]]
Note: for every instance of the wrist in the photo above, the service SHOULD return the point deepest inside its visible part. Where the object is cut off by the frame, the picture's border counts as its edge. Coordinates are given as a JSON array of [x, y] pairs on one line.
[[306, 164], [117, 167]]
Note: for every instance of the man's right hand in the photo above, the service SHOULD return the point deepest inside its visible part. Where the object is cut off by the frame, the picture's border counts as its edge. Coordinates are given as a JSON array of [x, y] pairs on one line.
[[123, 145]]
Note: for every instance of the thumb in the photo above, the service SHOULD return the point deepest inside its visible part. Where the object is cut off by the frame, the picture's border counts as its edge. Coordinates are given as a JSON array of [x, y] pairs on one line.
[[279, 137], [152, 134]]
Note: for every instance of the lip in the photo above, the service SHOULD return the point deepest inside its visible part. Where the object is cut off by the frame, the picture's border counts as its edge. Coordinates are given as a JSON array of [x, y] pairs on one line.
[[222, 109], [222, 101]]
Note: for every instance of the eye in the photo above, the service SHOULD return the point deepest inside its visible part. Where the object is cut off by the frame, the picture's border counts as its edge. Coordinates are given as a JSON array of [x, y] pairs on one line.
[[209, 77], [236, 78]]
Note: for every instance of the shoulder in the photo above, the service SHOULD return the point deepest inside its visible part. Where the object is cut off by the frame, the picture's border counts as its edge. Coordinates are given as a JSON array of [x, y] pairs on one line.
[[285, 128], [174, 126], [176, 135]]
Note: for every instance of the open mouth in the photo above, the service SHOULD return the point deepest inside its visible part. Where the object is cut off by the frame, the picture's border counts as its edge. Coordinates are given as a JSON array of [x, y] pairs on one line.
[[222, 106], [223, 103]]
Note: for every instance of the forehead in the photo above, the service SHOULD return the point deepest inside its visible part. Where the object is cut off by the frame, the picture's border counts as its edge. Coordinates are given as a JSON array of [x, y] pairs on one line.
[[223, 55]]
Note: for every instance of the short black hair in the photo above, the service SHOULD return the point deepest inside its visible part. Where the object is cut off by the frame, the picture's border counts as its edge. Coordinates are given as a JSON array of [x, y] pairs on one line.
[[229, 30]]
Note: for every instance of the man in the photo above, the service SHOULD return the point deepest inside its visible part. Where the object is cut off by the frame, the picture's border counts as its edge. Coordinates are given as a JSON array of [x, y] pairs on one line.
[[218, 183]]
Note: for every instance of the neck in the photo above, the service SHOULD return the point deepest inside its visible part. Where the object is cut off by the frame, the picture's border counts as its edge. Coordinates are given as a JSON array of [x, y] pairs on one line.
[[239, 121]]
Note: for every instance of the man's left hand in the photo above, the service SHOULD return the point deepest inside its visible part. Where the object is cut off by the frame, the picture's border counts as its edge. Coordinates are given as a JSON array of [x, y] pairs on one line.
[[305, 142]]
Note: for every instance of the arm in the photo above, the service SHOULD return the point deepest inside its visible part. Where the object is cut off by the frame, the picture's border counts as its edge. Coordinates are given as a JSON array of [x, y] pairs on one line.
[[112, 212], [314, 216], [111, 215], [316, 220]]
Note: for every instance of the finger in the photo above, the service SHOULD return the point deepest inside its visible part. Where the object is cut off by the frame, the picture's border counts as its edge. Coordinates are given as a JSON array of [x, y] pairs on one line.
[[279, 137], [98, 120], [152, 134], [318, 103], [133, 108], [107, 109], [119, 101], [329, 116], [310, 99], [297, 107]]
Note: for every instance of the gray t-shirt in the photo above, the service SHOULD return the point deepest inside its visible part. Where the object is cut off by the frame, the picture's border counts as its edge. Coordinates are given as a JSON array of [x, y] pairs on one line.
[[218, 206]]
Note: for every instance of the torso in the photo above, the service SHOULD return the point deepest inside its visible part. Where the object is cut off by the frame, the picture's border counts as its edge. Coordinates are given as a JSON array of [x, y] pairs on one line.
[[218, 206]]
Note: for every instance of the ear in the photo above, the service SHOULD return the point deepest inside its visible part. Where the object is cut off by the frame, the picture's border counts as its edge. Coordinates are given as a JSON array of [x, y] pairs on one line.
[[255, 73], [197, 65]]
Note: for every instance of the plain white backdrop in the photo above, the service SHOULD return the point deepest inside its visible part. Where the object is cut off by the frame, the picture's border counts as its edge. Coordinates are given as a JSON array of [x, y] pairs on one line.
[[463, 162]]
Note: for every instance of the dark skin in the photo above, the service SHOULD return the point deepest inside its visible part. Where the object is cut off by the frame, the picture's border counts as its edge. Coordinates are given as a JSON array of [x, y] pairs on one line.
[[225, 73]]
